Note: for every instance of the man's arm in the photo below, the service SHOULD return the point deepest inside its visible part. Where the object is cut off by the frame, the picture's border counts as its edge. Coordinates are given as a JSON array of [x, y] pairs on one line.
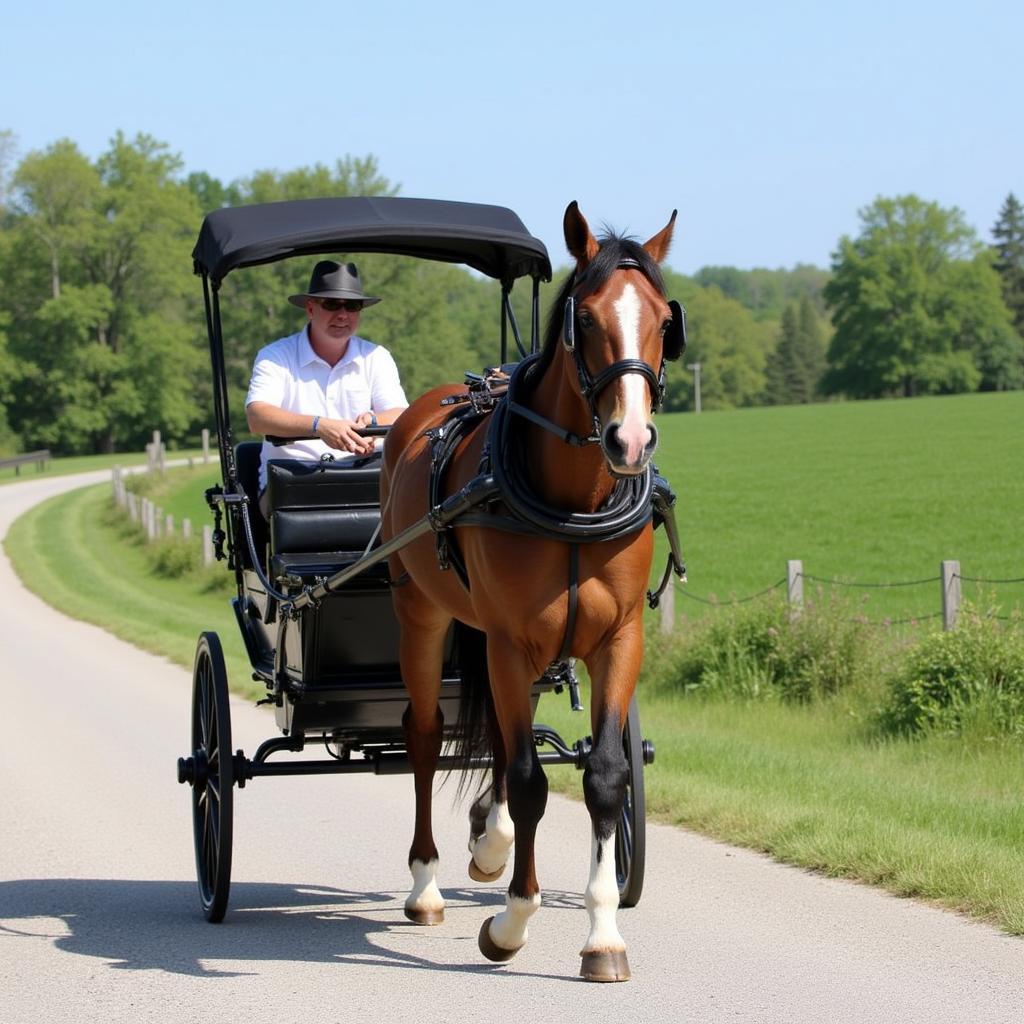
[[264, 418]]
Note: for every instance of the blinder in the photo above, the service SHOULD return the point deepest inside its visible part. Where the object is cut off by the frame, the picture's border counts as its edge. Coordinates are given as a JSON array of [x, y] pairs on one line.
[[569, 326], [674, 342]]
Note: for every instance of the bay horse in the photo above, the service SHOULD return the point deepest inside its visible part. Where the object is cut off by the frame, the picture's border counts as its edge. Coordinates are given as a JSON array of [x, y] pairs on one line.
[[595, 384]]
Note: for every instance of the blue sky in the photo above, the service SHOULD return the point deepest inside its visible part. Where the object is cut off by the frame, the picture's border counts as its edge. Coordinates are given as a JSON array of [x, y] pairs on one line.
[[767, 125]]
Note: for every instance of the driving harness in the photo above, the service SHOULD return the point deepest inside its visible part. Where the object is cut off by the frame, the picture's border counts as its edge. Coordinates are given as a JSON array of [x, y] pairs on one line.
[[513, 506]]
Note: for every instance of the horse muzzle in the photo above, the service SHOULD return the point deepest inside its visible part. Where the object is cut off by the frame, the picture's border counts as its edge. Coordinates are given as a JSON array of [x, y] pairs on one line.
[[628, 450]]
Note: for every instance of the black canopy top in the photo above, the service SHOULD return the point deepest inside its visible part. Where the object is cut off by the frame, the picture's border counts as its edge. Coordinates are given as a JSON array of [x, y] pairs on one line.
[[491, 239]]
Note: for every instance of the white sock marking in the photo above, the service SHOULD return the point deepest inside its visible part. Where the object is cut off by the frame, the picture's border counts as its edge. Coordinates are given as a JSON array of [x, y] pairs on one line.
[[490, 851], [508, 929], [425, 894], [602, 899]]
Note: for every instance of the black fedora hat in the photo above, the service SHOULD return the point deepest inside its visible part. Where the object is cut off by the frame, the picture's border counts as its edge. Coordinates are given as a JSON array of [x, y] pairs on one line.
[[331, 280]]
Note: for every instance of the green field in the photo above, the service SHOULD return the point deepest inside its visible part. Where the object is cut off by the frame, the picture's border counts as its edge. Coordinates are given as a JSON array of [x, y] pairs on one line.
[[867, 492], [862, 492], [65, 465]]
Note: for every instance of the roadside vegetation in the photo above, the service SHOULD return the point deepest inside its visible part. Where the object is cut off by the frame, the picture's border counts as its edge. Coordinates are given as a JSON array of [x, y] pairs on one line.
[[826, 739]]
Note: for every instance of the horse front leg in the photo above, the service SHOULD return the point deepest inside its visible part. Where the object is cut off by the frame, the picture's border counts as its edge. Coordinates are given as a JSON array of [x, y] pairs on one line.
[[504, 934], [605, 779]]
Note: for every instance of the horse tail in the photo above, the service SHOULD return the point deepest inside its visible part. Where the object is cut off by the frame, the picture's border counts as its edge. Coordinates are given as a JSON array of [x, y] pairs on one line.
[[472, 738]]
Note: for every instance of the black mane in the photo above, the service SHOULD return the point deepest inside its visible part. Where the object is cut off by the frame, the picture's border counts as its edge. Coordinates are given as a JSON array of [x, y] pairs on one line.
[[614, 249]]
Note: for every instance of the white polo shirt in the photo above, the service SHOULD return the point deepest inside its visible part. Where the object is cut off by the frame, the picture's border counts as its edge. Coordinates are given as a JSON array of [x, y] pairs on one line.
[[289, 374]]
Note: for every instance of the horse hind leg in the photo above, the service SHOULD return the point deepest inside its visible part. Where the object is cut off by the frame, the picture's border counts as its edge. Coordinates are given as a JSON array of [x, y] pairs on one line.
[[491, 832], [604, 788], [425, 904], [491, 836], [420, 653]]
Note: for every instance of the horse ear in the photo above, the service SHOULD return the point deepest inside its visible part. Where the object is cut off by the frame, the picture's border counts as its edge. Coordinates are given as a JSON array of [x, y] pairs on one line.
[[578, 238], [674, 343], [657, 247]]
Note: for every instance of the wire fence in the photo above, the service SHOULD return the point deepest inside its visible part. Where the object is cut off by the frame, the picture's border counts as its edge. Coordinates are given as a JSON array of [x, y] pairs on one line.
[[949, 579]]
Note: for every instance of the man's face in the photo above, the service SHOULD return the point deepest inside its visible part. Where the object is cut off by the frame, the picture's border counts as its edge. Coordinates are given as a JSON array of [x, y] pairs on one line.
[[336, 319]]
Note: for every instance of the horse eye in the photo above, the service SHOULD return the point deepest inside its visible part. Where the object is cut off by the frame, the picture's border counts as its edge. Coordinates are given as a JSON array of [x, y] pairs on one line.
[[586, 320], [666, 324]]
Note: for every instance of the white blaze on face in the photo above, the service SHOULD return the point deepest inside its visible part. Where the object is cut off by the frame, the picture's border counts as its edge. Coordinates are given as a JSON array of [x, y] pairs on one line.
[[635, 416]]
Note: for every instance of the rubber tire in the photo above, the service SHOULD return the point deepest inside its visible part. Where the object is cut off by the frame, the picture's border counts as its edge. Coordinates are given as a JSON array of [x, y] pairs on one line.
[[212, 796], [630, 835]]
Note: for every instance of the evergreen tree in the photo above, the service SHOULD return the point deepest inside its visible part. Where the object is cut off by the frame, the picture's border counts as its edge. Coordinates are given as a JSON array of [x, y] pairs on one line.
[[810, 350], [795, 368], [1009, 257], [781, 369]]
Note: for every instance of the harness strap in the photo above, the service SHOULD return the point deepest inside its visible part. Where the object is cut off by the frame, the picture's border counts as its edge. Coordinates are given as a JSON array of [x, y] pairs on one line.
[[574, 602], [560, 432]]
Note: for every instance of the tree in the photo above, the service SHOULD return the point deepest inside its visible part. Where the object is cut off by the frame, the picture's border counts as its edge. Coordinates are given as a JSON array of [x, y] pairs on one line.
[[103, 310], [57, 193], [731, 346], [1009, 257], [916, 307]]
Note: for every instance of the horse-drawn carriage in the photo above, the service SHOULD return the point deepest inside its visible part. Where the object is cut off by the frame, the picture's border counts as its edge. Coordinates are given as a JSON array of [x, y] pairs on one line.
[[407, 609]]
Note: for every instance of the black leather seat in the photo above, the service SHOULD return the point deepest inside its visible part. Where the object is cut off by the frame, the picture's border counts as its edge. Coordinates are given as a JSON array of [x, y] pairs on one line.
[[322, 514]]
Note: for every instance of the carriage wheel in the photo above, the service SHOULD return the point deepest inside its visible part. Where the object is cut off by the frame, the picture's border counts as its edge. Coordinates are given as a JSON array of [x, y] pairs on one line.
[[213, 776], [630, 836]]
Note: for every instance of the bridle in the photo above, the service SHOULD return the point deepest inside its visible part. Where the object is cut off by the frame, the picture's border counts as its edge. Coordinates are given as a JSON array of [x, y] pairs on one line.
[[591, 386]]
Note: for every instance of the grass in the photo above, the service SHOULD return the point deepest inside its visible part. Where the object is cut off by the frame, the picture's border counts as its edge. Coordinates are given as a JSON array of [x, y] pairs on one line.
[[63, 466], [859, 491], [865, 491], [938, 819]]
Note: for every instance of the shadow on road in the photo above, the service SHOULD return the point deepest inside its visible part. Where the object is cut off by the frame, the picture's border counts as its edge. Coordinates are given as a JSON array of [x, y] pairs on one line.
[[157, 925]]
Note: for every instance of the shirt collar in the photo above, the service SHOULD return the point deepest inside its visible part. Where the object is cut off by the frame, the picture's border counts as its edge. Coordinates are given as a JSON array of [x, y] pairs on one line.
[[307, 355]]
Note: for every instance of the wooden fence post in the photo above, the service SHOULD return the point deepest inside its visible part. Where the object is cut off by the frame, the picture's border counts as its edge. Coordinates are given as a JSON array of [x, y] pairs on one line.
[[206, 444], [207, 544], [186, 528], [950, 594], [795, 585]]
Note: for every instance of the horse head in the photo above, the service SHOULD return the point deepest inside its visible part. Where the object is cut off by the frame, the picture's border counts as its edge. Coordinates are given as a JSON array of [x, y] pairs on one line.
[[618, 328]]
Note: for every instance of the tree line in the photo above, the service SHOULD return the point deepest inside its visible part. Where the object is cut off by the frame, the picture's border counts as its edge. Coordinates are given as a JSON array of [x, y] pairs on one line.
[[102, 334]]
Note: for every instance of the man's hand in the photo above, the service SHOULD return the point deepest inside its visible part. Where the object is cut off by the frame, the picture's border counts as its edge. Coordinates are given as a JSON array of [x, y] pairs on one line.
[[341, 434]]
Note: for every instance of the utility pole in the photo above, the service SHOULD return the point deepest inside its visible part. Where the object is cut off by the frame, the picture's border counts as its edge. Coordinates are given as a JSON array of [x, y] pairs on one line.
[[696, 384]]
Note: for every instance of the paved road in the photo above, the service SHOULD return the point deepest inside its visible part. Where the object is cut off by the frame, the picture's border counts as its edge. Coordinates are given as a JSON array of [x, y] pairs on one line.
[[99, 918]]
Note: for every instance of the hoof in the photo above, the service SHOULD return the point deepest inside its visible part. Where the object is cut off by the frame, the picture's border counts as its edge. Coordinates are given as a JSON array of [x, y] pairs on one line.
[[484, 876], [605, 965], [487, 946], [425, 917]]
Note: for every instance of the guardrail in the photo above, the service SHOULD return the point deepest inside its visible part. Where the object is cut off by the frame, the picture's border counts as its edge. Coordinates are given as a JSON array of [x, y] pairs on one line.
[[40, 458]]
